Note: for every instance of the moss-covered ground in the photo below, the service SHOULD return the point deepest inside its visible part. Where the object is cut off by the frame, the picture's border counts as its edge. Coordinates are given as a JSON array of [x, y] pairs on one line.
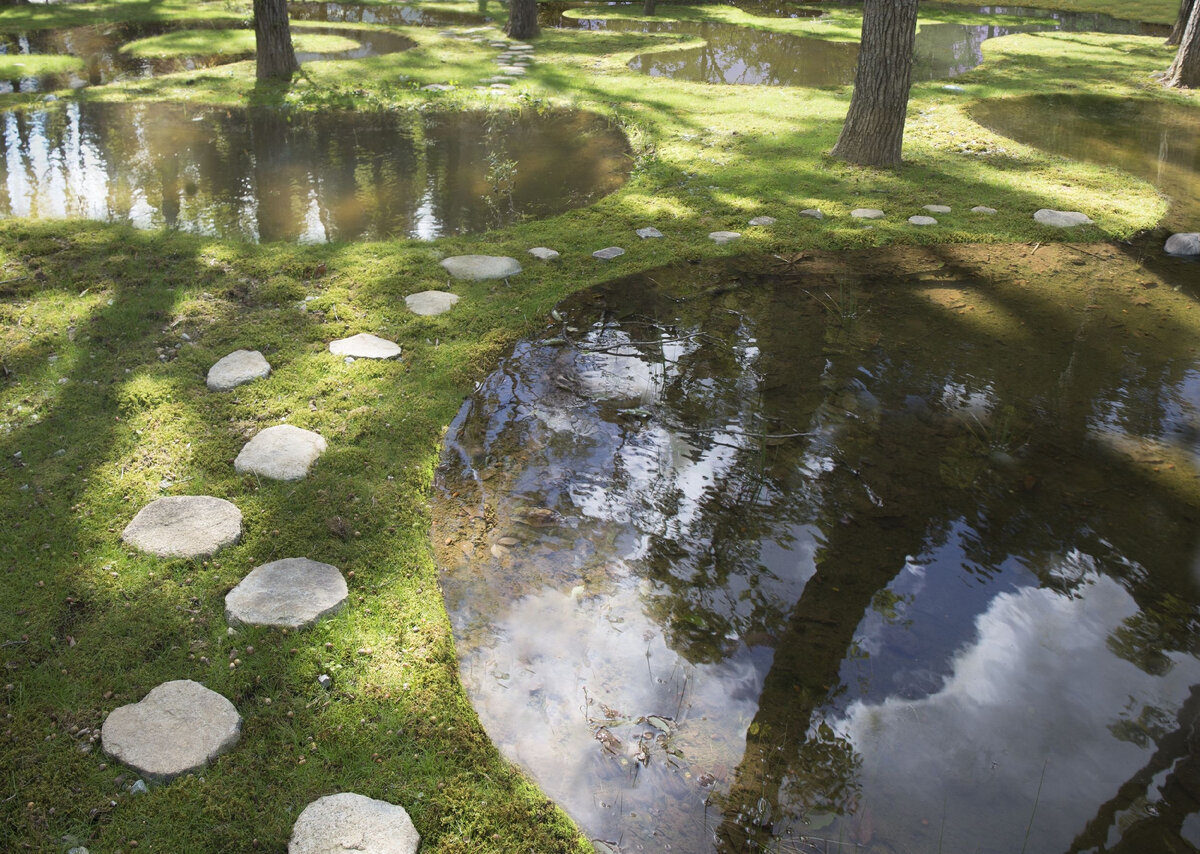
[[106, 334]]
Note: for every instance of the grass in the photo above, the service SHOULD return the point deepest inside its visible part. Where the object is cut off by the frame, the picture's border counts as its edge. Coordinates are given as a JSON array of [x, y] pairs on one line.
[[103, 408], [209, 42], [14, 66]]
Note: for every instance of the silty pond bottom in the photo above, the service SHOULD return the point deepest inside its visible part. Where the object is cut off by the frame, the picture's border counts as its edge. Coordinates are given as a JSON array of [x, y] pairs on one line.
[[271, 175], [744, 55], [810, 556]]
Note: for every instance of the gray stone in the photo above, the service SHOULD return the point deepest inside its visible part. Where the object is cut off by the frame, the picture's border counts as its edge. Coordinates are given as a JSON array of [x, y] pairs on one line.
[[365, 346], [139, 788], [513, 70], [938, 209], [763, 220], [178, 727], [1061, 219], [477, 268], [609, 253], [186, 526], [439, 87], [953, 87], [724, 236], [922, 220], [648, 233], [543, 253], [1185, 243], [289, 593], [283, 452], [812, 212], [983, 209], [325, 681], [867, 213], [240, 366], [520, 46], [344, 822], [78, 849], [430, 303]]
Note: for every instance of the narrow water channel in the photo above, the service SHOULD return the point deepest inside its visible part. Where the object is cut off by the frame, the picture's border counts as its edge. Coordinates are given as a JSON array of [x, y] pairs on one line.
[[806, 556]]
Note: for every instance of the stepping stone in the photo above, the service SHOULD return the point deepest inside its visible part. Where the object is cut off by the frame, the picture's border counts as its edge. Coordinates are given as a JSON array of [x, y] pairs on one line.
[[983, 209], [289, 593], [543, 253], [922, 220], [938, 209], [438, 87], [609, 253], [350, 822], [520, 46], [724, 236], [513, 70], [283, 452], [812, 212], [494, 80], [499, 87], [430, 303], [477, 268], [953, 87], [1185, 243], [763, 220], [365, 346], [178, 727], [1061, 219], [187, 526], [867, 213], [648, 233], [240, 366]]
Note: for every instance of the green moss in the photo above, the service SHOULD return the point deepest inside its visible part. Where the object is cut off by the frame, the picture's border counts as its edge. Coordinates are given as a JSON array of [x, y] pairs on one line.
[[13, 66], [228, 42]]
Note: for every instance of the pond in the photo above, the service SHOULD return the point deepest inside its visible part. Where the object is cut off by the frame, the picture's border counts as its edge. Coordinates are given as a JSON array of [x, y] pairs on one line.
[[1157, 141], [389, 15], [313, 177], [801, 555]]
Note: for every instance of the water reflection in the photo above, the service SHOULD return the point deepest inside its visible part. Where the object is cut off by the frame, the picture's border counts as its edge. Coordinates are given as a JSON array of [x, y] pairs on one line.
[[267, 175], [402, 15], [797, 558]]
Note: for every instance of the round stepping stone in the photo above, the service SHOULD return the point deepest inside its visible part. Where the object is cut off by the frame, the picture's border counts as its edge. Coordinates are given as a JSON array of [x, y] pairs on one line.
[[477, 268], [178, 727], [543, 253], [812, 212], [608, 253], [648, 233], [438, 87], [240, 366], [520, 46], [186, 526], [763, 220], [513, 70], [983, 209], [280, 453], [350, 822], [1185, 243], [430, 303], [922, 220], [867, 213], [724, 236], [289, 593], [938, 209], [365, 346], [1061, 219]]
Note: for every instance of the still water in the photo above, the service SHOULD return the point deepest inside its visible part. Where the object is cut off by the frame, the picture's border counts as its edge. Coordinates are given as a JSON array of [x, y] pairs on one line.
[[312, 177], [815, 557]]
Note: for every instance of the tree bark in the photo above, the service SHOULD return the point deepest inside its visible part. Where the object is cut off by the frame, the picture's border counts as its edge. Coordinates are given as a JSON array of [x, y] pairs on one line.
[[522, 19], [1185, 12], [273, 41], [1184, 72], [648, 6], [874, 130]]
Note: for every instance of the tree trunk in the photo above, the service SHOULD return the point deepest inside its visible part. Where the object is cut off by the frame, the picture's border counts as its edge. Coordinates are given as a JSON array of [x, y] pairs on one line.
[[1185, 12], [1184, 72], [273, 41], [648, 6], [874, 130], [522, 19]]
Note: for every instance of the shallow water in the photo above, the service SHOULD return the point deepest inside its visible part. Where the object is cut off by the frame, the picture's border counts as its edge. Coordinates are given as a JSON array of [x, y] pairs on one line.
[[817, 558], [266, 175], [390, 15], [1150, 139]]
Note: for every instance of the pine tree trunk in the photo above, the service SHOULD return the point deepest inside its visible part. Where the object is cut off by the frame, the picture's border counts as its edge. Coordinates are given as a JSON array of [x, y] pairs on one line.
[[1184, 72], [522, 19], [648, 6], [874, 130], [1185, 12], [273, 41]]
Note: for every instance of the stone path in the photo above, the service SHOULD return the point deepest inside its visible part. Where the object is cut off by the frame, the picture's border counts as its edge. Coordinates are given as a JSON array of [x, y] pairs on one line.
[[350, 822], [240, 366], [184, 526], [289, 593], [283, 452]]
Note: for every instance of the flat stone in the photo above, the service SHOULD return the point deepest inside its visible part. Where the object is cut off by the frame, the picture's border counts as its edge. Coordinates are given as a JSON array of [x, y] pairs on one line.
[[1061, 219], [283, 452], [648, 233], [763, 220], [938, 209], [365, 346], [477, 268], [344, 822], [186, 526], [491, 80], [513, 70], [520, 46], [178, 727], [289, 593], [724, 236], [430, 303], [922, 220], [812, 212], [953, 87], [867, 213], [240, 366], [1185, 243], [499, 87], [439, 87], [609, 253], [543, 253], [983, 209]]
